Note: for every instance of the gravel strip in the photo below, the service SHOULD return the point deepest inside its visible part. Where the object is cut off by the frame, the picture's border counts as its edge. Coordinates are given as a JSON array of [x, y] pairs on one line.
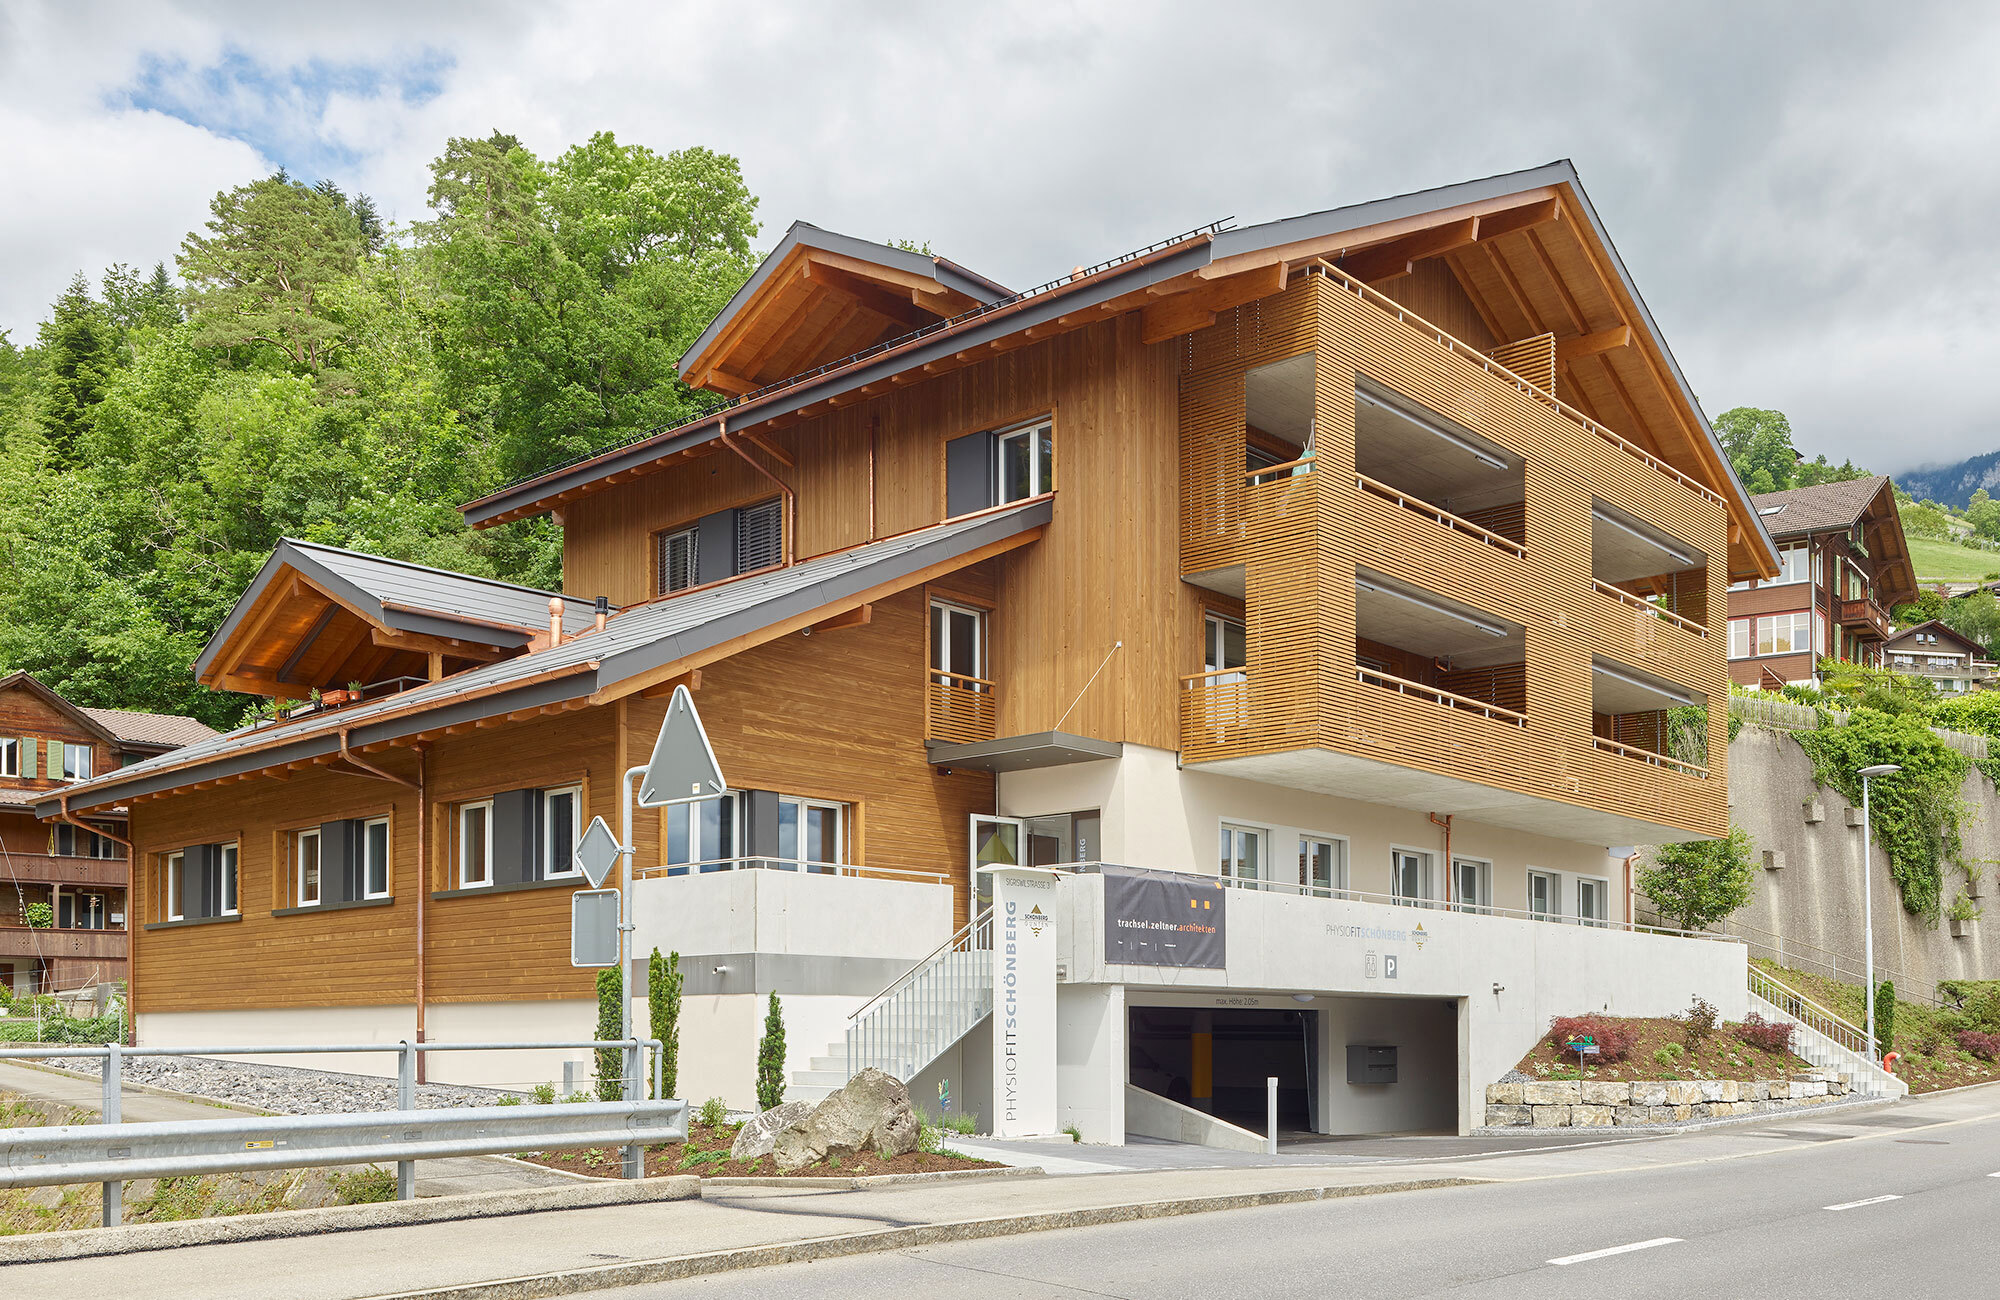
[[281, 1088]]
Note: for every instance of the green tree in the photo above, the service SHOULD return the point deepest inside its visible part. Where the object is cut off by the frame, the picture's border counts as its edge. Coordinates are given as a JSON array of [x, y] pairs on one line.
[[1697, 883], [259, 275], [663, 1005], [1976, 617], [1885, 1018], [610, 1028], [1925, 519], [771, 1058], [1812, 473], [1759, 444], [1983, 513], [1928, 605], [79, 354]]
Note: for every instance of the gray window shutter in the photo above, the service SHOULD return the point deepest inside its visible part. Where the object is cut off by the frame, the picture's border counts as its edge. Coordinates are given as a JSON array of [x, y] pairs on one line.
[[337, 866], [27, 757], [968, 474], [760, 535], [514, 837], [715, 546]]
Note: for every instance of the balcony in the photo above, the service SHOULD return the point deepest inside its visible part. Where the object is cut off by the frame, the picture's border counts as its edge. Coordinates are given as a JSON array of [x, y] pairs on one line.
[[56, 869], [1864, 617], [28, 941], [958, 709]]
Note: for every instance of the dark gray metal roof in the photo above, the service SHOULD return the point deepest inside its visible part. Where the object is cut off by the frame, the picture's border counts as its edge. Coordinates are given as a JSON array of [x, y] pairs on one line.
[[638, 640], [947, 274], [409, 598]]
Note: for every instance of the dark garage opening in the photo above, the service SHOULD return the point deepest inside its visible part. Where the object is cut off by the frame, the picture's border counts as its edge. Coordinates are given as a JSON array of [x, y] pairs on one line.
[[1245, 1047]]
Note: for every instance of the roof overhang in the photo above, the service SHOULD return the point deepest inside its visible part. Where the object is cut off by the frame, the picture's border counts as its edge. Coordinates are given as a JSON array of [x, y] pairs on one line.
[[1017, 753]]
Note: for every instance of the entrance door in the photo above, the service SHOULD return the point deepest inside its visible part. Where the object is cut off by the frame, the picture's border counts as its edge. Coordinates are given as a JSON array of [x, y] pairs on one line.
[[996, 842]]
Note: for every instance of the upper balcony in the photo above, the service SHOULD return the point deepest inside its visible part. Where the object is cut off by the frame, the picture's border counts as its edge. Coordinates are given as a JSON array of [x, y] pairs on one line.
[[58, 869], [1863, 617]]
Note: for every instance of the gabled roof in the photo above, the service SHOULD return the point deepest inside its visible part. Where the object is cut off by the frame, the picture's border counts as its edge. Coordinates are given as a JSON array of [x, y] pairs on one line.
[[1574, 285], [165, 730], [27, 681], [1936, 628], [312, 603], [642, 646], [1837, 507]]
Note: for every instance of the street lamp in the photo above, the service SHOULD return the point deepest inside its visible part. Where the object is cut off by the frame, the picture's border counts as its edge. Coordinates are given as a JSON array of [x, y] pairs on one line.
[[1868, 898]]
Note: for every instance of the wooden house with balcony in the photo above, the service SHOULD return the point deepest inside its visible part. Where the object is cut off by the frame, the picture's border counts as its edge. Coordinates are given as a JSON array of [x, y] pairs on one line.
[[1371, 555], [1951, 662], [1844, 565], [63, 898]]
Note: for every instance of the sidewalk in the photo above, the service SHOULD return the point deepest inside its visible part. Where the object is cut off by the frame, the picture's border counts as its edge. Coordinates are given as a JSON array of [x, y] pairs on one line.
[[617, 1245]]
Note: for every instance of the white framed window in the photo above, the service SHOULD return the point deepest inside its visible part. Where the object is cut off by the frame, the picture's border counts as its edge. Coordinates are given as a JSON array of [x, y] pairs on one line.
[[226, 865], [475, 844], [1544, 895], [1223, 647], [1794, 565], [1410, 877], [375, 858], [1593, 900], [811, 832], [1026, 461], [1243, 853], [1471, 885], [176, 869], [1739, 638], [1819, 633], [675, 560], [305, 867], [760, 535], [1779, 634], [10, 756], [958, 644], [76, 762], [559, 833], [702, 836], [1323, 865]]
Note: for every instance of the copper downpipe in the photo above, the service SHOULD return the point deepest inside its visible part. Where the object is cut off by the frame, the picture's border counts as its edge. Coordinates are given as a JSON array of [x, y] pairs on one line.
[[791, 506]]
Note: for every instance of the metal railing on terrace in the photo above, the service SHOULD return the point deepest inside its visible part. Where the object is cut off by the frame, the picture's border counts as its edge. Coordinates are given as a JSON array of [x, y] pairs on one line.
[[850, 870]]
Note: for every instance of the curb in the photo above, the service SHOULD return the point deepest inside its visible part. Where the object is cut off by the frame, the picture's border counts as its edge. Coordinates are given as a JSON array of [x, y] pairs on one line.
[[127, 1085], [675, 1267], [864, 1181], [43, 1247]]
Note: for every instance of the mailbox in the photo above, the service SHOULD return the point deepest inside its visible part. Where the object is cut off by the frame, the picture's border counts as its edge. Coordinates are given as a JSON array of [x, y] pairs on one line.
[[1367, 1063]]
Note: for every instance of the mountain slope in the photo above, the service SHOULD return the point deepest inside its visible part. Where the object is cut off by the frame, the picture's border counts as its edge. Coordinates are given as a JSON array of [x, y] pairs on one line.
[[1953, 485]]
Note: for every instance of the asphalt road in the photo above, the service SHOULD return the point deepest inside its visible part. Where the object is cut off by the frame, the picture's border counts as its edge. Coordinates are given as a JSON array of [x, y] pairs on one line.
[[1904, 1212]]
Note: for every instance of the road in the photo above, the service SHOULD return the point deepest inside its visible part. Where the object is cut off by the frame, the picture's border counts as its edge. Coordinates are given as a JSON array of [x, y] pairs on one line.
[[1901, 1213]]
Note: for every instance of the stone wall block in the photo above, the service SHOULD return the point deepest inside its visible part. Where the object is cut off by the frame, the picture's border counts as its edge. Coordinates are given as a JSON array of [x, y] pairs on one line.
[[1503, 1094], [1552, 1092], [1583, 1116], [1550, 1116], [1607, 1093], [1508, 1116]]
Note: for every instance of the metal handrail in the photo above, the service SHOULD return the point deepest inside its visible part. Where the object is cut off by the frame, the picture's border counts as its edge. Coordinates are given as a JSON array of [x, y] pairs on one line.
[[1419, 506], [1647, 606], [1820, 1020], [766, 862], [963, 932], [1639, 755], [1791, 952], [928, 1008], [1452, 343], [1404, 686]]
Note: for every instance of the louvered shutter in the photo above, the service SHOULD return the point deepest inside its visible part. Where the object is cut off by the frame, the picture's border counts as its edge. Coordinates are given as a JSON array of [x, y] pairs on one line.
[[760, 535]]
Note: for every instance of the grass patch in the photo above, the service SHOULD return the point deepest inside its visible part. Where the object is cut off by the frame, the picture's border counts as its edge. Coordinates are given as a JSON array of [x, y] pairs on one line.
[[1926, 1035], [1946, 561]]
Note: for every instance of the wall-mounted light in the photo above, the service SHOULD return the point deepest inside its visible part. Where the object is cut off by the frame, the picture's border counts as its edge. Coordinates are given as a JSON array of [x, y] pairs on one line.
[[1498, 988]]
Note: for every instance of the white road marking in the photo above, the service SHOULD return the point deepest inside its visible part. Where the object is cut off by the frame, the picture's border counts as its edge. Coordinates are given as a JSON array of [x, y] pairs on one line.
[[1615, 1250], [1855, 1205]]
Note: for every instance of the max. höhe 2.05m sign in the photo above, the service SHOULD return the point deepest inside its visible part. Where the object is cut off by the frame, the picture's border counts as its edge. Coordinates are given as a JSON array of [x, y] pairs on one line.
[[1163, 918]]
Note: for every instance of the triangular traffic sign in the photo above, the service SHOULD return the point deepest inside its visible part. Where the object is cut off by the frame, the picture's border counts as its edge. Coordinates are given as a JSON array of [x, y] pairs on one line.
[[683, 766], [597, 852]]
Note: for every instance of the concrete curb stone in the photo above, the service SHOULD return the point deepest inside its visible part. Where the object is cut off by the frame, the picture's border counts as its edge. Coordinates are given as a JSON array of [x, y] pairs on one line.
[[861, 1181]]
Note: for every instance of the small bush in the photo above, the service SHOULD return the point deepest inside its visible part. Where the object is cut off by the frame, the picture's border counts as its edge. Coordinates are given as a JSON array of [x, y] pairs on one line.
[[1670, 1055], [508, 1099], [1984, 1046], [1767, 1035], [962, 1124], [696, 1159], [1614, 1038], [714, 1112], [363, 1185], [1075, 1133], [545, 1094], [1698, 1023], [930, 1137]]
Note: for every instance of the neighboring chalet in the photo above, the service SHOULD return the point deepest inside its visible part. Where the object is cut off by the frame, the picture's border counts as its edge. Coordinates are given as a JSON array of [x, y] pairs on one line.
[[1953, 664], [1844, 566], [1352, 561], [77, 870]]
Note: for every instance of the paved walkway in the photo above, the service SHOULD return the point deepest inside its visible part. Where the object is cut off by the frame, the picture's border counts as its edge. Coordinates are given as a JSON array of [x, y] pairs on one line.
[[448, 1177], [375, 1262]]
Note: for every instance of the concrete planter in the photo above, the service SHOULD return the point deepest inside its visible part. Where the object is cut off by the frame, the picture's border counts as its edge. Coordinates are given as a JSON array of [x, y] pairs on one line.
[[1815, 811], [1959, 929], [1591, 1103]]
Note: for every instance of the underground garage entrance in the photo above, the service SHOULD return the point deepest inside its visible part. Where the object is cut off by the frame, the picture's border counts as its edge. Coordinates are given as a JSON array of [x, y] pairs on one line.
[[1344, 1065]]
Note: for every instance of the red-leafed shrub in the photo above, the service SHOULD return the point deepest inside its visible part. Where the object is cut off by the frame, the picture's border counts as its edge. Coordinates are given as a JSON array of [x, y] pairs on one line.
[[1766, 1035], [1614, 1038], [1984, 1046]]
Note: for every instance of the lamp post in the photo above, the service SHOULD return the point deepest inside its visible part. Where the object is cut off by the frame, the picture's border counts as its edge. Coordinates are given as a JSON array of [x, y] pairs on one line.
[[1868, 897]]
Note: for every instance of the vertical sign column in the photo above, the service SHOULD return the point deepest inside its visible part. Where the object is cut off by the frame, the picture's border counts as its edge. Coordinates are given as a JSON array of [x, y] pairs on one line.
[[1024, 1002]]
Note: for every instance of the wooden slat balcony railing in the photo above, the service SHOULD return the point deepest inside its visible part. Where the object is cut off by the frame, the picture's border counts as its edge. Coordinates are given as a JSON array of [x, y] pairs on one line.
[[1289, 469], [1451, 343], [1643, 605], [1404, 686], [1215, 708], [958, 708], [1864, 615], [1419, 506], [30, 941], [1648, 756]]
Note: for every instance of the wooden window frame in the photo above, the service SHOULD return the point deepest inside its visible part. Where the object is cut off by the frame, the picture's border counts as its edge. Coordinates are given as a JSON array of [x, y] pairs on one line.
[[10, 755], [1046, 483], [296, 868], [388, 823]]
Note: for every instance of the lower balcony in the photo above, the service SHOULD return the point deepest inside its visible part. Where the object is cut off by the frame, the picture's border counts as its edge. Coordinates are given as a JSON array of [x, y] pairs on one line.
[[18, 941], [60, 869], [958, 709]]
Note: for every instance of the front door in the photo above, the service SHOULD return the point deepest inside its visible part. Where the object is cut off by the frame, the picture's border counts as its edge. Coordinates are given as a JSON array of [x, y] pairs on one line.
[[996, 842]]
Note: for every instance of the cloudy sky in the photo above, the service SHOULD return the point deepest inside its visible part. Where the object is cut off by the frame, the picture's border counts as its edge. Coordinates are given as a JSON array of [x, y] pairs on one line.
[[1802, 191]]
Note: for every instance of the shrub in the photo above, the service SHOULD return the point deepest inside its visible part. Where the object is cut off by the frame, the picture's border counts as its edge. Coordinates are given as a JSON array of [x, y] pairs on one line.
[[1885, 1017], [1698, 1023], [38, 916], [1614, 1037], [962, 1124], [1766, 1035], [508, 1099], [714, 1112], [610, 1024], [1670, 1055], [663, 1004], [1984, 1046], [1698, 883], [930, 1137], [545, 1094], [363, 1185], [771, 1058]]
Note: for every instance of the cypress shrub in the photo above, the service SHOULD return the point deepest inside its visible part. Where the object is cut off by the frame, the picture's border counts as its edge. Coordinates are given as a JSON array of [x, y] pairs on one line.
[[771, 1059], [663, 1003], [610, 1070], [1885, 1017]]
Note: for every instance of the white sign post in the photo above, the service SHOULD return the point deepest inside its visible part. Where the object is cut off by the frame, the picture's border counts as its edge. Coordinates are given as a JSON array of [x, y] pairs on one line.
[[1024, 1001]]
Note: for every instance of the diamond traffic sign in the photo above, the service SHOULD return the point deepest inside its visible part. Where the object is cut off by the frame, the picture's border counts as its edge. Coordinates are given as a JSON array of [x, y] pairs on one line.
[[593, 928], [597, 852], [683, 767]]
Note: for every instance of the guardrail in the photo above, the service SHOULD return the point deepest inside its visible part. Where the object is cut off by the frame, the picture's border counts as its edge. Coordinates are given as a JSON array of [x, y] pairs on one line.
[[113, 1151]]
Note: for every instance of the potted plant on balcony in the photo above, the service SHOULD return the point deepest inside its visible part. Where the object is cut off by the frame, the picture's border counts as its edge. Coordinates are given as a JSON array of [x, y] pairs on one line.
[[39, 916]]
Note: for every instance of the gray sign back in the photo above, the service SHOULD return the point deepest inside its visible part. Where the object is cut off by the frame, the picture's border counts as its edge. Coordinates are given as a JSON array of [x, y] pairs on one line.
[[683, 766], [593, 927]]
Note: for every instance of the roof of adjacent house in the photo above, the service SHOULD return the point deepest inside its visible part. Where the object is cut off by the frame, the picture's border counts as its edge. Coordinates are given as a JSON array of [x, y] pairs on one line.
[[1938, 629], [115, 727], [1818, 509], [639, 641]]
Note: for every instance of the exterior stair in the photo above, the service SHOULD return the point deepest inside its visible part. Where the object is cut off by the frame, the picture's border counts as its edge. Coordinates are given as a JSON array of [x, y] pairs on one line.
[[1822, 1038], [915, 1020]]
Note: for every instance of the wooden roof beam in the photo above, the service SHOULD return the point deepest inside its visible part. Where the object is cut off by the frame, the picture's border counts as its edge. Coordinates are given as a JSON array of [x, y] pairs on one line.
[[1526, 217], [1589, 345], [1399, 256], [1196, 308]]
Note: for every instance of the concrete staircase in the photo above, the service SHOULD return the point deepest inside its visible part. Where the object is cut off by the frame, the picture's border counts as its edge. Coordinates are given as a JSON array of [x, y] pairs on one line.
[[1822, 1038], [915, 1020]]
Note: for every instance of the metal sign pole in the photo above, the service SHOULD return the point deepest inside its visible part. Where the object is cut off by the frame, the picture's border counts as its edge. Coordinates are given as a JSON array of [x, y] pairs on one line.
[[635, 1163]]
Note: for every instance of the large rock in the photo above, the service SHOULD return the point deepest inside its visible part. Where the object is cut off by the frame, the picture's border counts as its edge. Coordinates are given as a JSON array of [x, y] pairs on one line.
[[1652, 1092], [1508, 1115], [871, 1115], [758, 1136]]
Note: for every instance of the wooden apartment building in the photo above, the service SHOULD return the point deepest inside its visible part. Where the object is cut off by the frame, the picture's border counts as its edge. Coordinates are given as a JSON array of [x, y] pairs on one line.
[[1365, 552]]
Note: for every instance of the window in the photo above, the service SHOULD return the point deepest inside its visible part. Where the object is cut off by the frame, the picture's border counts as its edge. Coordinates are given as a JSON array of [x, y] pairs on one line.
[[475, 844], [1410, 877], [1781, 634], [10, 757], [76, 762], [1741, 584], [559, 833], [674, 561], [375, 858], [1739, 638], [1026, 458], [176, 873], [1593, 901], [1242, 853], [1794, 565], [1819, 633], [958, 644], [305, 866], [225, 866], [760, 535], [1224, 647], [1471, 885], [1323, 866], [74, 842], [809, 832], [701, 835], [1544, 895]]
